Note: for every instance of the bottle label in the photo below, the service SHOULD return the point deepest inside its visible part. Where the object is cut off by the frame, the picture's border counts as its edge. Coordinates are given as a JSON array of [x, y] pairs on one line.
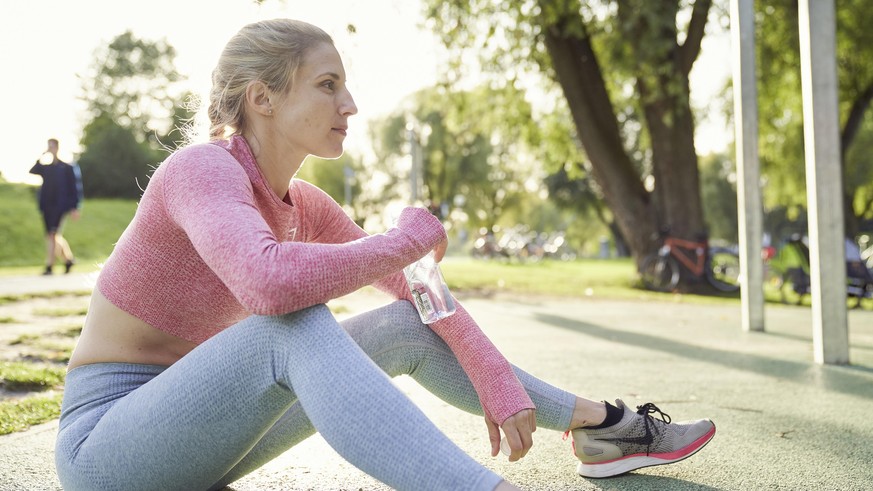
[[429, 291], [422, 302]]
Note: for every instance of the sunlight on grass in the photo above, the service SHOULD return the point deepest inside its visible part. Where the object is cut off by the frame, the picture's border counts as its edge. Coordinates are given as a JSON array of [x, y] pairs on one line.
[[60, 312], [20, 414], [582, 278], [23, 297], [71, 331], [24, 339], [36, 271], [545, 277], [15, 375], [55, 357], [53, 344], [340, 309]]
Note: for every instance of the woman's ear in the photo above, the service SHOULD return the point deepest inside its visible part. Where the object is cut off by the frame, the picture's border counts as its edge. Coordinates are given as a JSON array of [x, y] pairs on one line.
[[259, 98]]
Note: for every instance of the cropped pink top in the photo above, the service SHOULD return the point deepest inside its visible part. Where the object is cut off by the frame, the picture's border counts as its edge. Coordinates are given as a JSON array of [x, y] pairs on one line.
[[211, 244]]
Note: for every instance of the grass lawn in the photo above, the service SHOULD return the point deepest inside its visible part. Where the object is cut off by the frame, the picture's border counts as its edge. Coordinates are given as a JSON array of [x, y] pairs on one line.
[[20, 414], [21, 375], [91, 237], [591, 278]]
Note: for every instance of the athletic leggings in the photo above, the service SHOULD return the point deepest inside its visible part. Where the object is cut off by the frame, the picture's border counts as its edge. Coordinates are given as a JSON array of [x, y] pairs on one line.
[[261, 386]]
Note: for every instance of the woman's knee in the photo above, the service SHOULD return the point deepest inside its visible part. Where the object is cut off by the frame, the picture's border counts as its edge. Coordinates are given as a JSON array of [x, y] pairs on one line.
[[274, 331], [315, 314], [396, 321], [405, 310], [395, 338]]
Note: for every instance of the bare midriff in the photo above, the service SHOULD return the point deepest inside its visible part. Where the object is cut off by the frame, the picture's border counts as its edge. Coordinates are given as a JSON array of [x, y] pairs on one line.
[[111, 335]]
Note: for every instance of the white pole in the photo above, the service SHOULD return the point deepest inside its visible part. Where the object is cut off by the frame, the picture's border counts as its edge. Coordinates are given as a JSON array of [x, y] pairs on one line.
[[817, 19], [749, 207]]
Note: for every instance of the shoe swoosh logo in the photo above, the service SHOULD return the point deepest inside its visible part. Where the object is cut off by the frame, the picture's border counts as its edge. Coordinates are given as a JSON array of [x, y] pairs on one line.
[[642, 440]]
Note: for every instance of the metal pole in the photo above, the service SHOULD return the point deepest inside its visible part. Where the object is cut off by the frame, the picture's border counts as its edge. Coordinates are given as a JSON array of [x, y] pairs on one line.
[[348, 175], [749, 201], [415, 154], [818, 70]]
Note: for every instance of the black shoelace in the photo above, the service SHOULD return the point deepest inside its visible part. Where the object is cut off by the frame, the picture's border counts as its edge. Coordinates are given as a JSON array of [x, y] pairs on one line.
[[649, 408], [646, 411]]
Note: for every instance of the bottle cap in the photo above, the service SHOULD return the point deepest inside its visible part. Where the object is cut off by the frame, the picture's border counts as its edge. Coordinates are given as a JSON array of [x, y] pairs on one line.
[[504, 447]]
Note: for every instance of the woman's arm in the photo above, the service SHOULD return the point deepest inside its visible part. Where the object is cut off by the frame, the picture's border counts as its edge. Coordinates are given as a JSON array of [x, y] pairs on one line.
[[499, 390], [209, 196]]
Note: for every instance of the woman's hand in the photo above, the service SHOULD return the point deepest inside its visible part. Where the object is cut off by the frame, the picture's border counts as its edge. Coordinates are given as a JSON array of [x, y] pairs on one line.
[[440, 250], [420, 220], [518, 430]]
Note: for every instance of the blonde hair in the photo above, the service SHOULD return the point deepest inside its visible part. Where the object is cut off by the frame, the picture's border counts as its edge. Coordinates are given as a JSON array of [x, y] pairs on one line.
[[270, 51]]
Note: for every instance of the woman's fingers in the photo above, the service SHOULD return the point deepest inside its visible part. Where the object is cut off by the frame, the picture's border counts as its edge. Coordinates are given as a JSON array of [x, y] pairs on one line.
[[440, 250], [518, 430], [493, 436]]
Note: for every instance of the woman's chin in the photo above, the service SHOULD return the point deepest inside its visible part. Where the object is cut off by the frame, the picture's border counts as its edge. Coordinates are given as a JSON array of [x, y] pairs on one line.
[[330, 154]]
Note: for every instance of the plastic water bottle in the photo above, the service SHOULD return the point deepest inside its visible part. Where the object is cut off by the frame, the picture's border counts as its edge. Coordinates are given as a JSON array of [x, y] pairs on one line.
[[429, 290], [504, 447]]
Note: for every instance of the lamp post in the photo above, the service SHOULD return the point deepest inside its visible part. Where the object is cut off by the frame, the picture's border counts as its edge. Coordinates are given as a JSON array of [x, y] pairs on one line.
[[348, 179], [415, 154], [417, 133]]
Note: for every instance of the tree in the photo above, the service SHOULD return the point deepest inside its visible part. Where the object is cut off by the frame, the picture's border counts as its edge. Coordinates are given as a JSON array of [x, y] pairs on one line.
[[781, 111], [114, 163], [581, 196], [134, 108], [470, 155], [132, 81], [719, 193], [570, 184], [644, 91]]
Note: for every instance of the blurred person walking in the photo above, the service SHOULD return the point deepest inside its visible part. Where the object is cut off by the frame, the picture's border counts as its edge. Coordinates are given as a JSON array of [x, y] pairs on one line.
[[60, 195]]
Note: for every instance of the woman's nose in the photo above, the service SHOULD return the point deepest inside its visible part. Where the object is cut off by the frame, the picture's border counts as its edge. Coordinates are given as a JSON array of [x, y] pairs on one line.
[[347, 106]]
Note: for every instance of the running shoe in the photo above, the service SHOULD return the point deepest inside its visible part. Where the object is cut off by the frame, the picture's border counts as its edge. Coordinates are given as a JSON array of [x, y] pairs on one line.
[[638, 440]]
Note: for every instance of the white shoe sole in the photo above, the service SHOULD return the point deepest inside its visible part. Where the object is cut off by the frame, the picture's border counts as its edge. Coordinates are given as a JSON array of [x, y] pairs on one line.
[[638, 461]]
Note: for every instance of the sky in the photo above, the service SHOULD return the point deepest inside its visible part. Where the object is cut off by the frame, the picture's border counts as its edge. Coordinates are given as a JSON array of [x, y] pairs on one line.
[[46, 45]]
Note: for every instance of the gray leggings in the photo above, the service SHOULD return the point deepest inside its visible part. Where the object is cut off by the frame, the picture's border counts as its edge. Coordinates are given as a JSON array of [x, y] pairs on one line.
[[261, 386]]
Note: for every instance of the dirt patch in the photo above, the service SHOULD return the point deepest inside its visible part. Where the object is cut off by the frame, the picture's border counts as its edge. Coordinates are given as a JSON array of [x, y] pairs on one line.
[[40, 331]]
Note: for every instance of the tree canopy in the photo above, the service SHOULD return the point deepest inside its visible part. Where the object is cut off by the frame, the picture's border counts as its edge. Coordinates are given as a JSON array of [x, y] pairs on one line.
[[781, 111], [132, 81], [621, 69], [473, 159], [134, 109]]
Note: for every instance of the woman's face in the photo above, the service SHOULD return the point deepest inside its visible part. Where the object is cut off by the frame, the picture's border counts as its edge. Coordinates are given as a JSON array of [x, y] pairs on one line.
[[312, 118]]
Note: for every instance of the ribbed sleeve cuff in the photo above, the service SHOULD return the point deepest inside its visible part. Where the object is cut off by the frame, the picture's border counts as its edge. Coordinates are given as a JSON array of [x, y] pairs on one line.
[[421, 227], [500, 392]]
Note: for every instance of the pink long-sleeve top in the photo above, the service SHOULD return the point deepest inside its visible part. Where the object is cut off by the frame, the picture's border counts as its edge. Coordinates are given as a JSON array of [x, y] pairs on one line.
[[211, 244]]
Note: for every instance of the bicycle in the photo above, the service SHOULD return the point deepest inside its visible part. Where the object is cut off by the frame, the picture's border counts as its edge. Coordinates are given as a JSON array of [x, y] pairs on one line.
[[718, 265]]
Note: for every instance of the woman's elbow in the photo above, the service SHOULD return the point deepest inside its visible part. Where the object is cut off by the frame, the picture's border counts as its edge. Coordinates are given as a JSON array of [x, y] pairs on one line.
[[267, 296]]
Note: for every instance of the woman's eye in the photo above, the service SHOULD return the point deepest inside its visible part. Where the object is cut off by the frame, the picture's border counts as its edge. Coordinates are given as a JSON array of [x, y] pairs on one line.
[[330, 84]]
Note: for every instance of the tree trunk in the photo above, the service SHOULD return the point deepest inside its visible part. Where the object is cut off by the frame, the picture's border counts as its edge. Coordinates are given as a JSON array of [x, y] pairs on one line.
[[664, 95], [663, 67], [581, 79], [674, 163]]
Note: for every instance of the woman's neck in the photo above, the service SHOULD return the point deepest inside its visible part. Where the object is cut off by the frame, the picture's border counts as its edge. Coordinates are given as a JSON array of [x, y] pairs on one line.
[[274, 164]]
